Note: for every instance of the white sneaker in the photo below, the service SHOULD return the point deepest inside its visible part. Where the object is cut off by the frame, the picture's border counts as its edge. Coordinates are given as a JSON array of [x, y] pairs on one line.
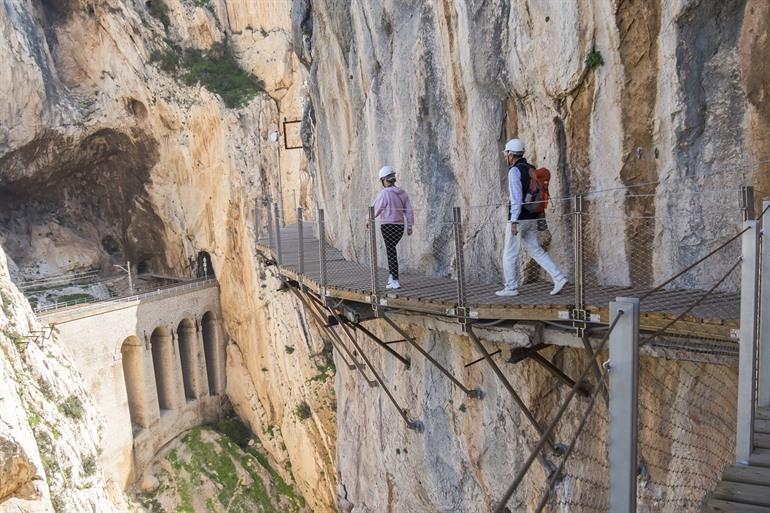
[[507, 292], [558, 286], [393, 285]]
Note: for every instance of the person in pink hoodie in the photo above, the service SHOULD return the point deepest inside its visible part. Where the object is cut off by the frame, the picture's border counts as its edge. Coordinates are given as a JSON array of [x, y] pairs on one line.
[[394, 209]]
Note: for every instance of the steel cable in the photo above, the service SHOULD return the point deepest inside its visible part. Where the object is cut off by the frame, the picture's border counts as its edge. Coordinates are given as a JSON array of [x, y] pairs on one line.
[[552, 426]]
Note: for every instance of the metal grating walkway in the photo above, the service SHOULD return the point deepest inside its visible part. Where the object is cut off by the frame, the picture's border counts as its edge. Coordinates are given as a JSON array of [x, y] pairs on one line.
[[715, 318]]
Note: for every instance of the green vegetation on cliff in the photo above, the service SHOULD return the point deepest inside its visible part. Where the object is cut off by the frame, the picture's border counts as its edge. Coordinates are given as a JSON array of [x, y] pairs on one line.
[[219, 468], [216, 69]]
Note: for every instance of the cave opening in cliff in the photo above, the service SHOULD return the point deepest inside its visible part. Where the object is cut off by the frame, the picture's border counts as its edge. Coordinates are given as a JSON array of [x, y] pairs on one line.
[[84, 196], [204, 267]]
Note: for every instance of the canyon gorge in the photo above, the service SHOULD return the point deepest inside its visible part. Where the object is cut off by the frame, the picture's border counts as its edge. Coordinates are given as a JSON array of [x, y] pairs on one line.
[[153, 132]]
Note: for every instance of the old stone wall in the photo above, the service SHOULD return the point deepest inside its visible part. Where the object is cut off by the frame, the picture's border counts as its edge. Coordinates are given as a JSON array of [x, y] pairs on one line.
[[167, 335]]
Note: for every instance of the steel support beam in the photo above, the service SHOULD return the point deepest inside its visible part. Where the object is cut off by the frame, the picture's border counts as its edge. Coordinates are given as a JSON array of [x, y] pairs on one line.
[[505, 382], [623, 407], [334, 337], [764, 301], [474, 393], [595, 366], [415, 425], [403, 359], [556, 372], [744, 437]]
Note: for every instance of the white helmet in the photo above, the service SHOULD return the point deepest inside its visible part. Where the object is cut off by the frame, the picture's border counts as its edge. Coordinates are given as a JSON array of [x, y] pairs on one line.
[[387, 172], [514, 146]]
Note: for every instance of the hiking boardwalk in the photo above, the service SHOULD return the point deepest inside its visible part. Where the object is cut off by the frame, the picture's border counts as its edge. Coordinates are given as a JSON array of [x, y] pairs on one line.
[[746, 488], [714, 318]]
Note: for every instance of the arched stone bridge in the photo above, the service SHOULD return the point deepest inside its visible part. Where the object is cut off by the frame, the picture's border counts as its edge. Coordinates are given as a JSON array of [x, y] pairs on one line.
[[155, 364]]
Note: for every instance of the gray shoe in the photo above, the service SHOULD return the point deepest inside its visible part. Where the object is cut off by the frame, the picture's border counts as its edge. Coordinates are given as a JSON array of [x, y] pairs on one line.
[[558, 286], [507, 292]]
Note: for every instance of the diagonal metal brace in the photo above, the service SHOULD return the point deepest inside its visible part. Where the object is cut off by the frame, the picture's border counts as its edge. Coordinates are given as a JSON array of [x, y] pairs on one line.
[[473, 393], [477, 360], [403, 359], [336, 341], [415, 425], [506, 383], [330, 333], [583, 389], [595, 368]]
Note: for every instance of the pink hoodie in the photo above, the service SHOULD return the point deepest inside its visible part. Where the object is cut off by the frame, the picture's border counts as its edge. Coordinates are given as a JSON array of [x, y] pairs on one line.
[[393, 206]]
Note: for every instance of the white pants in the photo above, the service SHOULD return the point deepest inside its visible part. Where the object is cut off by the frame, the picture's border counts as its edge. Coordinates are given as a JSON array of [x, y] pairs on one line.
[[527, 234]]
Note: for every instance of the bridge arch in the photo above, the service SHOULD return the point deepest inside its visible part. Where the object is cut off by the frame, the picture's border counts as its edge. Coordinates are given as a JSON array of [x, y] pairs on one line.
[[189, 357], [214, 352], [132, 351], [163, 365]]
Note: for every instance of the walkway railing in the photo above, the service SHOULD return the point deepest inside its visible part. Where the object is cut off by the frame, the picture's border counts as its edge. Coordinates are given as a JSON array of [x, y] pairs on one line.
[[602, 247], [713, 280], [165, 291]]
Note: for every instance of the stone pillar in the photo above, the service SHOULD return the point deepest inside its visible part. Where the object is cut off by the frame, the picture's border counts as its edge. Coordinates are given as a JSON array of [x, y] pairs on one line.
[[165, 369], [150, 387], [200, 370], [134, 376], [187, 342], [177, 372]]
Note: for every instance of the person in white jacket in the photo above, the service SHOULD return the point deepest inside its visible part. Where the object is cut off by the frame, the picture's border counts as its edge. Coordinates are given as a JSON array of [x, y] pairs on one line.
[[522, 226]]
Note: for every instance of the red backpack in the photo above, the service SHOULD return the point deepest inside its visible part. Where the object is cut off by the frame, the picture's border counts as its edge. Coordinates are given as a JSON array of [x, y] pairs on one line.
[[536, 199]]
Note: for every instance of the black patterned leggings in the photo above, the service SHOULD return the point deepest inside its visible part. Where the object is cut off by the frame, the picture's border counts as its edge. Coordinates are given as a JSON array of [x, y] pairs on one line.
[[391, 234]]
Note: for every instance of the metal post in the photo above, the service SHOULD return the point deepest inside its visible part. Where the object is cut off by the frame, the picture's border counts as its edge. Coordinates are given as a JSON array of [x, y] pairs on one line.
[[300, 235], [577, 241], [744, 436], [270, 233], [624, 392], [461, 311], [747, 202], [256, 220], [277, 212], [130, 281], [322, 250], [764, 301], [373, 258]]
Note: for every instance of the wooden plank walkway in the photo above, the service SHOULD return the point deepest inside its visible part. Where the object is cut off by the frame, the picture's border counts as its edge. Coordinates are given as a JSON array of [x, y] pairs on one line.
[[746, 488], [716, 318]]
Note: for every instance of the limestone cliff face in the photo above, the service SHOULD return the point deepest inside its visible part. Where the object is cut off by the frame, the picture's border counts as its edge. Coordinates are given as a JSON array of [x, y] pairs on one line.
[[108, 153], [606, 94], [655, 101], [50, 434], [471, 449]]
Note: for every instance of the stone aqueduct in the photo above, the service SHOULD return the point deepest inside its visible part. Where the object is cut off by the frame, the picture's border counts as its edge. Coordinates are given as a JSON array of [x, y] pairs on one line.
[[155, 366]]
